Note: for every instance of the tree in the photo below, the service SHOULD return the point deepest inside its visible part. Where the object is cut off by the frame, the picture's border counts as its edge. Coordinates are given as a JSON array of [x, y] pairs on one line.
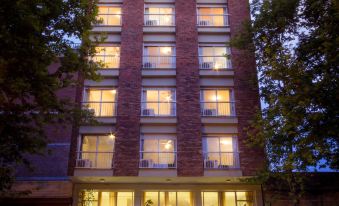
[[34, 34], [296, 45]]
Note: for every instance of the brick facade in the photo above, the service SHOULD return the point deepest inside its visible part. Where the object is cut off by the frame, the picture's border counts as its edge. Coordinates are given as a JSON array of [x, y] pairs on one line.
[[126, 157], [190, 162], [246, 89]]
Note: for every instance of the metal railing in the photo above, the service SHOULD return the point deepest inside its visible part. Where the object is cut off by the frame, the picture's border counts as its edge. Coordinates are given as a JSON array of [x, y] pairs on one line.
[[98, 160], [217, 108], [213, 20], [158, 160], [221, 160], [110, 62], [109, 19], [158, 109], [159, 20], [159, 62], [101, 109], [214, 62]]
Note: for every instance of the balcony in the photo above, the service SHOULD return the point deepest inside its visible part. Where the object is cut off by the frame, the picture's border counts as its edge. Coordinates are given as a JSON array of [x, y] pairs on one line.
[[213, 20], [156, 160], [101, 109], [221, 160], [214, 62], [94, 160], [109, 62], [159, 20], [152, 109], [216, 109], [159, 62]]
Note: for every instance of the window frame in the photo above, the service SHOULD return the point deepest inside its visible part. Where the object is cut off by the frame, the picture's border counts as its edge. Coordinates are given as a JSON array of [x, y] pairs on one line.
[[107, 14]]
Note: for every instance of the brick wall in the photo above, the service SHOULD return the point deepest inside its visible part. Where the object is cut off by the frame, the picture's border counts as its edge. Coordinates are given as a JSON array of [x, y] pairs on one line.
[[126, 157], [246, 89], [190, 162]]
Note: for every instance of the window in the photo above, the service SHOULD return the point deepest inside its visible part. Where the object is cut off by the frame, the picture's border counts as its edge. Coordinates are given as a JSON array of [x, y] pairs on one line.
[[101, 101], [159, 57], [220, 152], [227, 198], [217, 102], [214, 57], [105, 198], [96, 152], [158, 152], [109, 16], [159, 16], [212, 16], [108, 56], [168, 198], [158, 102]]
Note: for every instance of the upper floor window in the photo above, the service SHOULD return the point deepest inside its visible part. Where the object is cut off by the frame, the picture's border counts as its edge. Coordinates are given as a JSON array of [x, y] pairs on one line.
[[158, 152], [169, 198], [212, 16], [159, 16], [105, 198], [214, 57], [158, 102], [217, 102], [109, 16], [102, 101], [159, 57], [241, 198], [109, 56], [220, 152], [96, 152]]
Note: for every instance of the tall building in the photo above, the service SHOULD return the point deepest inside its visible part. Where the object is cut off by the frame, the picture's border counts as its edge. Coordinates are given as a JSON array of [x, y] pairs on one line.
[[173, 104]]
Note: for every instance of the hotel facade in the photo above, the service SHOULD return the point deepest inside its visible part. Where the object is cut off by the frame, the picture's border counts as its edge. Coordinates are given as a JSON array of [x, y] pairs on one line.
[[173, 105]]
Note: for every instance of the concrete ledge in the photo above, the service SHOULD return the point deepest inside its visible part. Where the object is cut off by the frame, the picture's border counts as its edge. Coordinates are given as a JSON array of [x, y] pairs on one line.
[[109, 29], [216, 73], [219, 120], [93, 172], [214, 30], [158, 72], [159, 29], [222, 173], [109, 72], [157, 172], [158, 120]]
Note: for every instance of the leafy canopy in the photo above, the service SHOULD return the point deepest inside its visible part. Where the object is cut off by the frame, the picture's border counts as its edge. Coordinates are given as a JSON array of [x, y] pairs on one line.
[[33, 34]]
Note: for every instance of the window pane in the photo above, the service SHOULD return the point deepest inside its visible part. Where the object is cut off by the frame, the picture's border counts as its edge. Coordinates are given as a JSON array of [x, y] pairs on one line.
[[114, 10], [172, 198], [165, 96], [153, 196], [150, 145], [152, 95], [244, 196], [210, 198], [152, 51], [94, 95], [184, 199], [108, 95], [223, 95], [162, 199], [125, 199], [166, 10], [166, 51], [89, 144], [107, 199], [226, 144], [207, 51], [229, 199], [209, 96], [106, 144], [217, 11], [212, 145], [90, 198]]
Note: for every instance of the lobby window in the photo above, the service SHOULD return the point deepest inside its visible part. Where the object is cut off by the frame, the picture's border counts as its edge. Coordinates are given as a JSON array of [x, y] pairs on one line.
[[105, 198], [109, 15], [159, 57], [158, 102], [158, 152], [102, 101], [108, 56], [214, 57], [240, 198], [159, 15], [95, 152], [220, 152], [212, 16], [168, 198], [217, 102]]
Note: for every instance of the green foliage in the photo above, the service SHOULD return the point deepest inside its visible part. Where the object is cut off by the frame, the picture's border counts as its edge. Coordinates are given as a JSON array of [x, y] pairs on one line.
[[296, 45], [34, 34], [148, 203]]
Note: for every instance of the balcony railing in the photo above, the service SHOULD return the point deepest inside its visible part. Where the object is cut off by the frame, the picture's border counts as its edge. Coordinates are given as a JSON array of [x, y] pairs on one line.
[[97, 160], [159, 20], [158, 109], [213, 20], [101, 109], [214, 62], [217, 108], [159, 62], [110, 62], [158, 160], [109, 19], [221, 160]]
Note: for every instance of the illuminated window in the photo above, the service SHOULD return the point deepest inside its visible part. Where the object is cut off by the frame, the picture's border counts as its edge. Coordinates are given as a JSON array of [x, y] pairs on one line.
[[109, 16], [108, 56], [212, 16], [168, 198], [105, 198], [101, 101], [214, 57], [159, 57], [158, 102], [220, 152], [157, 152], [159, 16], [216, 102], [227, 199]]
